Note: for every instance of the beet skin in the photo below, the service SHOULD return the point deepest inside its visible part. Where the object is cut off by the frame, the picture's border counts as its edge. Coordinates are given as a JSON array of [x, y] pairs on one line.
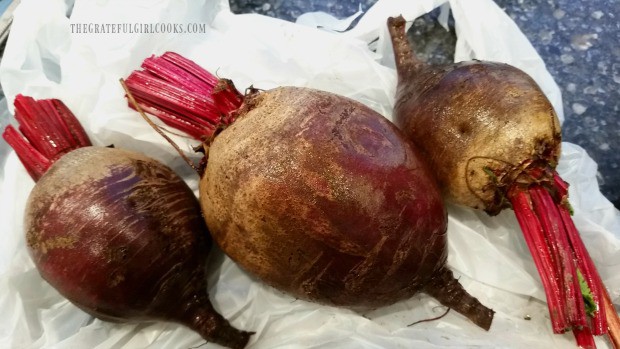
[[123, 239]]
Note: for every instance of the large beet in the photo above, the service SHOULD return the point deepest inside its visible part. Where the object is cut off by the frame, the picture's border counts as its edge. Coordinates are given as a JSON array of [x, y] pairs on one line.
[[118, 234], [314, 193], [318, 196]]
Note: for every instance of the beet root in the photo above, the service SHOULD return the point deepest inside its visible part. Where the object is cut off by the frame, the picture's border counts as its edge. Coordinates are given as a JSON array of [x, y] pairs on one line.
[[321, 197], [492, 139], [132, 231], [443, 108], [120, 235], [329, 206]]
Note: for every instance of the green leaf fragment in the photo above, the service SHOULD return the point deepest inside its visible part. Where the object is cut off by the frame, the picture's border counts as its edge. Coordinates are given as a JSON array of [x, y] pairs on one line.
[[490, 173], [570, 208], [588, 299]]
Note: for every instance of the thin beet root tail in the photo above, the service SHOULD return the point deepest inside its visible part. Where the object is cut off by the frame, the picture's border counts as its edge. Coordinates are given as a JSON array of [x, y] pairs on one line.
[[47, 130], [450, 293], [576, 296], [407, 63], [184, 95], [212, 326]]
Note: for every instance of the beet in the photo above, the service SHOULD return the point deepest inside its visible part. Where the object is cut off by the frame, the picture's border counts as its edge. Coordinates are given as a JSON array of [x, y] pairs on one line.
[[118, 234], [313, 193], [493, 140]]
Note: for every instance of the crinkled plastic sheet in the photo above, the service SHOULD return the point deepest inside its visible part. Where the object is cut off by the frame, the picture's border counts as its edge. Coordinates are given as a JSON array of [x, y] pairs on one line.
[[43, 59]]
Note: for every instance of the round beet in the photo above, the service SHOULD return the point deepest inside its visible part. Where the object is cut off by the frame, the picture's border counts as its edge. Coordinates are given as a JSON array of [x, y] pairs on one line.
[[492, 139], [444, 108], [118, 234], [315, 194], [319, 197]]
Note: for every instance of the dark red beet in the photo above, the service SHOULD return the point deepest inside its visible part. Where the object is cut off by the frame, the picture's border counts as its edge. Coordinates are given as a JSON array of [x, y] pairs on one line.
[[314, 193], [117, 233]]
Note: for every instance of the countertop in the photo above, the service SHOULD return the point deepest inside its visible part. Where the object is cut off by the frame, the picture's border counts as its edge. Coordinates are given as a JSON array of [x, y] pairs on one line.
[[578, 40]]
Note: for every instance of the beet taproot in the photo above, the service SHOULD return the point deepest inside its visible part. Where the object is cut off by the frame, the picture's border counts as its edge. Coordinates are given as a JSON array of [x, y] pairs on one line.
[[313, 193], [493, 139], [118, 234]]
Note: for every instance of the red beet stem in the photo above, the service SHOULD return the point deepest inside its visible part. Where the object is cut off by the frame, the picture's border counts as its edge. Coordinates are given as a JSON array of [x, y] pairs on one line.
[[173, 120], [605, 316], [190, 67], [613, 321], [70, 123], [584, 338], [176, 75], [184, 95], [533, 234], [606, 319], [561, 258], [566, 268], [588, 270], [149, 89], [39, 127], [48, 130], [35, 163]]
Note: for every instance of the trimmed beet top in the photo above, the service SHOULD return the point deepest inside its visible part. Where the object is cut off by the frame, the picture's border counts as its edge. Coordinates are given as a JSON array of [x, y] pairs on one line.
[[313, 193]]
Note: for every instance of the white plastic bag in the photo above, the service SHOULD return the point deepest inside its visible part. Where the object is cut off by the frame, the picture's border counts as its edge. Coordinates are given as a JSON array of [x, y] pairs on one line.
[[45, 59]]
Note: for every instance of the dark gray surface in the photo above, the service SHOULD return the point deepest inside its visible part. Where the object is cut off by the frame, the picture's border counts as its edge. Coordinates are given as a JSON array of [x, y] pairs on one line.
[[578, 40]]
